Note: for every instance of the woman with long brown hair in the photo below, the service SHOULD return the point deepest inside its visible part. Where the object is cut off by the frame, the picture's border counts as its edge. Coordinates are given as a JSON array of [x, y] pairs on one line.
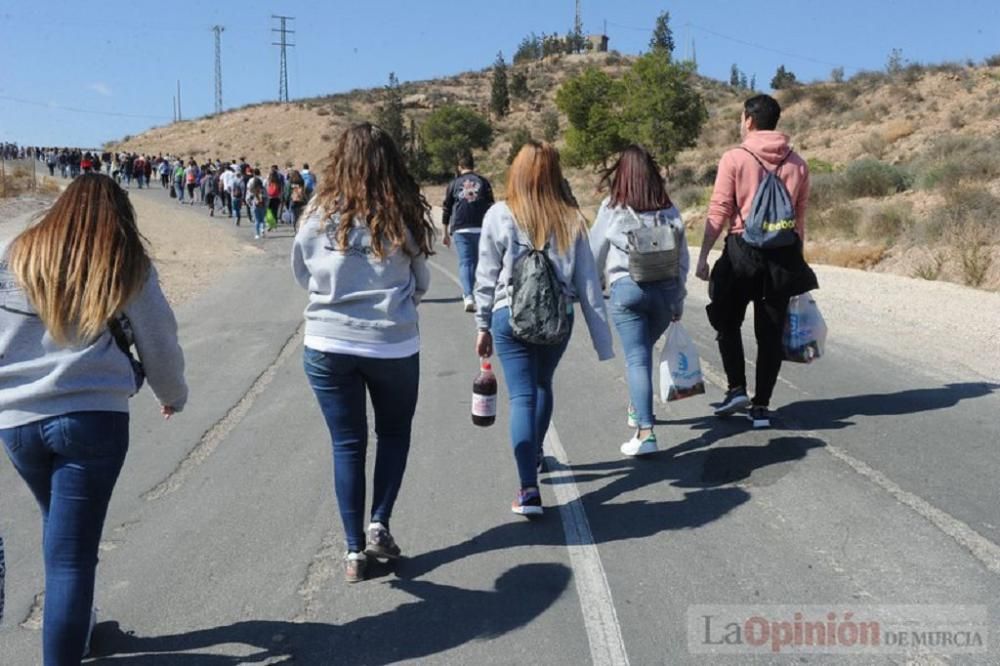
[[361, 252], [539, 215], [77, 289], [647, 293]]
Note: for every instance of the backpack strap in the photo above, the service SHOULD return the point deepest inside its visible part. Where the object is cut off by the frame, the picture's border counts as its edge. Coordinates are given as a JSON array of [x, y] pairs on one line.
[[761, 163]]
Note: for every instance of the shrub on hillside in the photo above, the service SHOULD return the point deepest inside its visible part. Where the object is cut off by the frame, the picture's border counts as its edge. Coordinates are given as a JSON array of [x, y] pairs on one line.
[[826, 190], [690, 196], [841, 221], [888, 223], [518, 138], [992, 61], [449, 131], [819, 166], [871, 178], [550, 126], [874, 144], [954, 159]]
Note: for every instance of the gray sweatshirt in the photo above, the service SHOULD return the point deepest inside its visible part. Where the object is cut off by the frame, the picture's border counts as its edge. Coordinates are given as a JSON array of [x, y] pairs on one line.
[[40, 379], [608, 238], [353, 296], [576, 271]]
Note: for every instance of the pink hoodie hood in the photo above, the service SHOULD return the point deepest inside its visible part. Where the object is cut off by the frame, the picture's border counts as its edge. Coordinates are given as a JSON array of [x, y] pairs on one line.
[[739, 174], [769, 146]]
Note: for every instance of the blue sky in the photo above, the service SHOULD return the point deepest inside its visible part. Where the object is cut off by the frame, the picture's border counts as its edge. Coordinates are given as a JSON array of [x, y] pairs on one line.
[[119, 60]]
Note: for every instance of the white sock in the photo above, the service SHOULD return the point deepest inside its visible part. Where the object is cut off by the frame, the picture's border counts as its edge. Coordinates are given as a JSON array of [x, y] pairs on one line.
[[377, 525]]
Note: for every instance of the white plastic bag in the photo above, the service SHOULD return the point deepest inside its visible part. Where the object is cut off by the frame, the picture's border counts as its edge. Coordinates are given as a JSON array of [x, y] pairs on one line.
[[804, 338], [680, 367]]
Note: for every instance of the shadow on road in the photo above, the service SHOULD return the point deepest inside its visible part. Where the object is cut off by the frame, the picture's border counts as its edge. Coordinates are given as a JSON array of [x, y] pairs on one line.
[[702, 471], [835, 413], [444, 617]]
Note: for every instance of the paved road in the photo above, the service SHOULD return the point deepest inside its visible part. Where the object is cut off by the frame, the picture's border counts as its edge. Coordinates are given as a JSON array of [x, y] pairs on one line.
[[876, 487]]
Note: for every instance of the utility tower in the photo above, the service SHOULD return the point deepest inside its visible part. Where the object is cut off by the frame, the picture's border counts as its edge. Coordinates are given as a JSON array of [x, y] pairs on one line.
[[578, 29], [218, 29], [284, 44]]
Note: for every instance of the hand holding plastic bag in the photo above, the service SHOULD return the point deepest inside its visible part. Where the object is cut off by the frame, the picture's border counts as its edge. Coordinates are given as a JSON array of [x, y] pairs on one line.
[[680, 367], [804, 338]]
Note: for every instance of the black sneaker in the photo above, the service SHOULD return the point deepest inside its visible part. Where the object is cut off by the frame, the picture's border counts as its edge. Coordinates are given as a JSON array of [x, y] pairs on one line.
[[760, 417], [735, 400], [380, 543]]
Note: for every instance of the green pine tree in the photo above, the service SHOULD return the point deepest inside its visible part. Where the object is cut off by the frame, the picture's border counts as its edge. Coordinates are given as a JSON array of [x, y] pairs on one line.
[[663, 36], [500, 95], [389, 115]]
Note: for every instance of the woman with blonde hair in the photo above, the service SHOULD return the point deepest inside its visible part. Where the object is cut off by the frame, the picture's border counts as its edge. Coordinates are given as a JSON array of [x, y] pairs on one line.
[[361, 252], [77, 289], [538, 221]]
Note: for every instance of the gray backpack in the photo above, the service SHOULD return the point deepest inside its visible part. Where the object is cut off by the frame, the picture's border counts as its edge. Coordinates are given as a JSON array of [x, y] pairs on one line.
[[772, 215], [539, 308], [653, 252]]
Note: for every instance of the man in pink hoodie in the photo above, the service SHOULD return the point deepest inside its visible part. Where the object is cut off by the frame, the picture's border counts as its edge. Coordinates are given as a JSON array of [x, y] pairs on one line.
[[745, 274]]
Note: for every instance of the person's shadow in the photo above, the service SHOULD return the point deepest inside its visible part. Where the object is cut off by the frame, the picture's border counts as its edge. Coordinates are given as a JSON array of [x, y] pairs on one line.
[[443, 617], [709, 475], [836, 413]]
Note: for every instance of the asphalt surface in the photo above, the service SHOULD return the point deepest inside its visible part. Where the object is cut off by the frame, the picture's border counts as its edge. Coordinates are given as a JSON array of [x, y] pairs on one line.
[[875, 487]]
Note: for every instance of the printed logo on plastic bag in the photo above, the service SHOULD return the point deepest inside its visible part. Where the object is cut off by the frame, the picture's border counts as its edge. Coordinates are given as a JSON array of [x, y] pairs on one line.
[[680, 366]]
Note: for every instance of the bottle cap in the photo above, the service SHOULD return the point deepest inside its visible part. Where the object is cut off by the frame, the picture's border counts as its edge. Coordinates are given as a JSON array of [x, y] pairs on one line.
[[486, 365]]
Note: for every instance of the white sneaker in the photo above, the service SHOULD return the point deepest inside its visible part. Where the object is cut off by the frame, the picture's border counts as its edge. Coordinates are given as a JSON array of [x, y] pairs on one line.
[[639, 447], [470, 304], [90, 632]]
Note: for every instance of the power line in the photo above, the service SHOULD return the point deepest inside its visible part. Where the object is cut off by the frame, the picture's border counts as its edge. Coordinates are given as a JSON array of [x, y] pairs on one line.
[[58, 107], [218, 29], [284, 44], [743, 42], [768, 48]]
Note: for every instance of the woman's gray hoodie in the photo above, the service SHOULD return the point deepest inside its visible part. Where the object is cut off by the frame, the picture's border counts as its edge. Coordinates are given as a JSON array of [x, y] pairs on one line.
[[41, 379], [503, 242], [608, 238], [354, 296]]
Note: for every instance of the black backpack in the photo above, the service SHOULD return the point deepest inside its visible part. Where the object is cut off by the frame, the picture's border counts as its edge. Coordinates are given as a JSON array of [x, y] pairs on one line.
[[539, 308]]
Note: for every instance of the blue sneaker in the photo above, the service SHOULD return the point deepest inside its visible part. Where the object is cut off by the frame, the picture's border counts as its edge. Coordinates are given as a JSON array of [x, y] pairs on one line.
[[527, 503]]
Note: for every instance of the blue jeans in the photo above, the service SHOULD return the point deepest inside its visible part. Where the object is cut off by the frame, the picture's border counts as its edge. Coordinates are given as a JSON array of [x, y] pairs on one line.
[[641, 313], [259, 216], [340, 382], [528, 370], [179, 188], [70, 463], [467, 247]]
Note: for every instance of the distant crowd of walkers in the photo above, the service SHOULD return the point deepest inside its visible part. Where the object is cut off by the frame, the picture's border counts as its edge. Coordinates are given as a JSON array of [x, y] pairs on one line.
[[78, 292]]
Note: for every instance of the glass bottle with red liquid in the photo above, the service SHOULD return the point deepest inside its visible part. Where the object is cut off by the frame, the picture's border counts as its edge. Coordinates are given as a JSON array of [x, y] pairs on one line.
[[484, 396]]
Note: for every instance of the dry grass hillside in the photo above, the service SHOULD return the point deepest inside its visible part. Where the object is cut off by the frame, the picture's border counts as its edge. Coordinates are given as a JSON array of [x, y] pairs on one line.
[[906, 166]]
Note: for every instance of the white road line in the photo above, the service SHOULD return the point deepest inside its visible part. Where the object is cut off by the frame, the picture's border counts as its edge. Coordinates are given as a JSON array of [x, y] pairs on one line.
[[604, 633], [981, 548], [607, 648]]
